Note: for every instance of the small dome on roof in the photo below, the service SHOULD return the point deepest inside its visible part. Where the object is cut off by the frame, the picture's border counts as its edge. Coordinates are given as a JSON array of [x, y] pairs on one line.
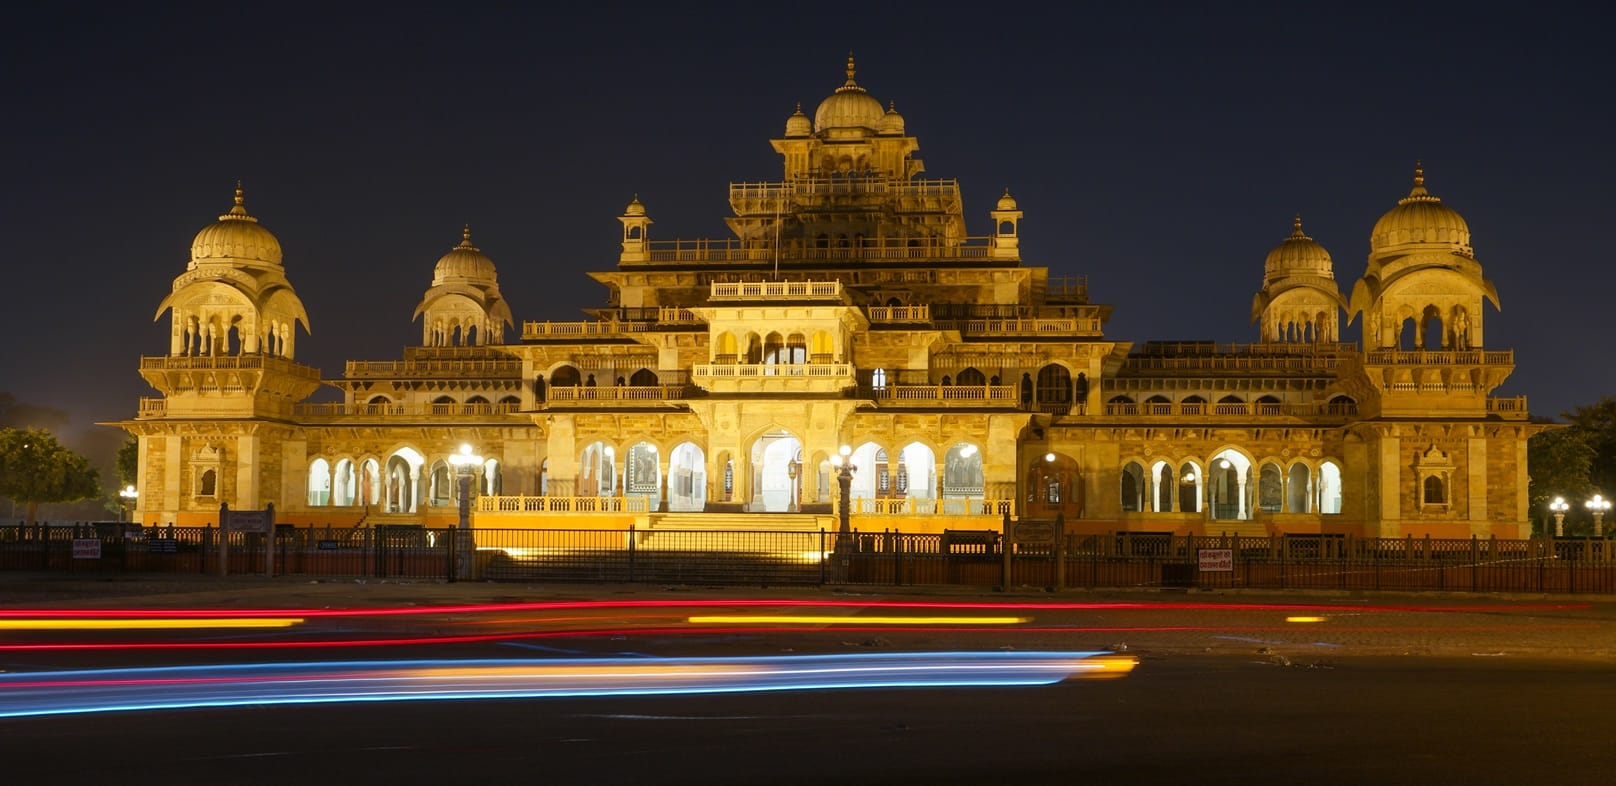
[[1006, 202], [236, 236], [1297, 255], [1421, 218], [634, 207], [799, 124], [892, 122], [464, 261]]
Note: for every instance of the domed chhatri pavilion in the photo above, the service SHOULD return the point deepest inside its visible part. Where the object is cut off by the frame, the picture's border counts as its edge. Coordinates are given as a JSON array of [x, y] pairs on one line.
[[720, 379]]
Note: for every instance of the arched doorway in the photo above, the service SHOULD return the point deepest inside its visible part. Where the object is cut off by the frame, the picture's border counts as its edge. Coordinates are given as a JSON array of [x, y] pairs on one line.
[[1054, 486], [776, 472], [687, 478]]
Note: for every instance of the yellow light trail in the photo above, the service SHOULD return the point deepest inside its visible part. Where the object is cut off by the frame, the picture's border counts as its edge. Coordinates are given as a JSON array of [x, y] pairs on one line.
[[1305, 619], [152, 623], [766, 619]]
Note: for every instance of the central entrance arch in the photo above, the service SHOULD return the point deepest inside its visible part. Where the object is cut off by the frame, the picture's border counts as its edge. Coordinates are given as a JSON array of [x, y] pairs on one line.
[[776, 472]]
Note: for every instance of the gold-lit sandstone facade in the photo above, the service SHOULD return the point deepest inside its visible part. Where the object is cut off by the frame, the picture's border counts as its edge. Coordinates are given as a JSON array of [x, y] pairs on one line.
[[851, 307]]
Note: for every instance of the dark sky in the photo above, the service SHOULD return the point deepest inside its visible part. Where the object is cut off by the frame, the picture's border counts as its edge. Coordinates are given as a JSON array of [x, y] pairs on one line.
[[1161, 151]]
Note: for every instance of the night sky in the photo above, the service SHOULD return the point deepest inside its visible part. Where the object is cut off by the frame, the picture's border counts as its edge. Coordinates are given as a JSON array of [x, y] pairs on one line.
[[1160, 152]]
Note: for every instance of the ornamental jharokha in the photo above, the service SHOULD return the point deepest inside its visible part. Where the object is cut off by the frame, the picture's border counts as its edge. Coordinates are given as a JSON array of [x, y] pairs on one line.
[[717, 380]]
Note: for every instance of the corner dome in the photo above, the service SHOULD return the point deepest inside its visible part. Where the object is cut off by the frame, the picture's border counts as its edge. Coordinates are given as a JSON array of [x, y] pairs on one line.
[[849, 107], [892, 122], [1421, 218], [236, 236], [634, 208], [464, 261], [799, 124], [1297, 255], [1006, 202]]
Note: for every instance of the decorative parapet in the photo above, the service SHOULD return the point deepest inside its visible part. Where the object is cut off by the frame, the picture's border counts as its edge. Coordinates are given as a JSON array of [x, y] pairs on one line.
[[564, 395], [387, 411], [569, 505], [934, 394], [1063, 326], [1420, 357], [229, 363], [455, 367], [1311, 409], [777, 290]]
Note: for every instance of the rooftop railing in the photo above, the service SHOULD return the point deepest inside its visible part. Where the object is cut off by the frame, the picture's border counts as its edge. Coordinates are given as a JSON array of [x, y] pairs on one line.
[[504, 367], [1419, 357], [564, 395], [252, 362], [892, 250], [777, 290], [343, 409]]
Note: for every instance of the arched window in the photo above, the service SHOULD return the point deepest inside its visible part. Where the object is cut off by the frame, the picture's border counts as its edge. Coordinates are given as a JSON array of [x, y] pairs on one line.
[[1054, 389], [1189, 489], [1133, 488], [1329, 488], [207, 485], [1436, 492], [1299, 489], [319, 483], [644, 378], [1270, 489], [565, 377], [971, 377]]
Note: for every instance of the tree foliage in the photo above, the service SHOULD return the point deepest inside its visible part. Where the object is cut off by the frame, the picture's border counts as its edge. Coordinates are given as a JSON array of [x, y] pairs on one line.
[[128, 462], [16, 414], [35, 469], [1558, 462]]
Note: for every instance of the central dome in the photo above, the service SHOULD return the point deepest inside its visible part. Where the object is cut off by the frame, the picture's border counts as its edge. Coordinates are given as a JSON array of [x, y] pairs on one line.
[[849, 107], [1421, 218], [237, 236], [464, 261]]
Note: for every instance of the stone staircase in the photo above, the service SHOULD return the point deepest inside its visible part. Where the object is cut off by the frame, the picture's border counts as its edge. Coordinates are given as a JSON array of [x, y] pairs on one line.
[[1245, 528], [739, 522]]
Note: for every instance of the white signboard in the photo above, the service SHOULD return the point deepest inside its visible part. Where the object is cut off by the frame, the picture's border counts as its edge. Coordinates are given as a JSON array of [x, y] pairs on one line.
[[1216, 560], [86, 548]]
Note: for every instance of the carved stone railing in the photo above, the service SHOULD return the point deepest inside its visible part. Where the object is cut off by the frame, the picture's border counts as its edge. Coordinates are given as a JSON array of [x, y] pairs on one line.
[[462, 367], [564, 395], [1419, 357], [569, 505], [777, 290], [535, 330], [342, 409], [1243, 410]]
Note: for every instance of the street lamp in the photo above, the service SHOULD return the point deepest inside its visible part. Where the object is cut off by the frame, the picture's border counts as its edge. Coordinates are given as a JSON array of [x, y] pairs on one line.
[[129, 494], [1598, 505], [793, 469], [1559, 506], [844, 478], [465, 463]]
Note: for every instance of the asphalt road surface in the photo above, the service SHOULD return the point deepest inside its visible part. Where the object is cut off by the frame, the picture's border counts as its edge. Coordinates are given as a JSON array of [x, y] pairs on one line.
[[1224, 689]]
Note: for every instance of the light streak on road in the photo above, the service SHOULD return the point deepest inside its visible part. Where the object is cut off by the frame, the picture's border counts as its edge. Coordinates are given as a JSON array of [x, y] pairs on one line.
[[181, 687], [147, 623], [813, 619]]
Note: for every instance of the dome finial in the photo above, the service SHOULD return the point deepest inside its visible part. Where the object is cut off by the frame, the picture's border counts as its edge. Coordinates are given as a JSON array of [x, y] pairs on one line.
[[1297, 226], [238, 210], [465, 235], [850, 68], [1419, 174]]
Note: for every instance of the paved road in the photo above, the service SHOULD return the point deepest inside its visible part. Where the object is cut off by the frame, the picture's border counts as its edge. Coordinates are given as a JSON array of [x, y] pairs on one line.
[[1230, 688]]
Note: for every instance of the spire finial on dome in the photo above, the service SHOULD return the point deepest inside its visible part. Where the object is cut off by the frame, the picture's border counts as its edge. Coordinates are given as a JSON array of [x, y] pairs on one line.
[[465, 235], [1419, 173], [850, 68], [238, 210], [1296, 225]]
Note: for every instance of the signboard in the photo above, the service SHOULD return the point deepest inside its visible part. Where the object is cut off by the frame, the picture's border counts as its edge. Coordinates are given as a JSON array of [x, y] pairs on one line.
[[163, 546], [248, 521], [1034, 532], [1216, 560], [86, 548]]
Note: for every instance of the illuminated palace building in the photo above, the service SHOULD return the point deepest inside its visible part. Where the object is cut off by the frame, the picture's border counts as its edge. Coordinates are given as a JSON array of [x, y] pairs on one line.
[[719, 379]]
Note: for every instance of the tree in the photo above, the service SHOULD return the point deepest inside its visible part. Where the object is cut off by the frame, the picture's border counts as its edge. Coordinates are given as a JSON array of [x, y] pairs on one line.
[[1597, 424], [35, 468], [128, 462], [1558, 461]]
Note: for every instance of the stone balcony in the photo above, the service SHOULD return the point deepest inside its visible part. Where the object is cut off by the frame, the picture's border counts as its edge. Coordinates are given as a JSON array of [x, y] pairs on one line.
[[817, 378]]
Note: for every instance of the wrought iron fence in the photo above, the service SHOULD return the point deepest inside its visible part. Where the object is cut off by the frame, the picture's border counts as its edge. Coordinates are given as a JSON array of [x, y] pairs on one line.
[[754, 557]]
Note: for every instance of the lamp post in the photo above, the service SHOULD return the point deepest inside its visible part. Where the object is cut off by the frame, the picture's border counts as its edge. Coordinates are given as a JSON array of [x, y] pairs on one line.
[[793, 469], [1598, 505], [844, 479], [129, 494], [1559, 507], [465, 463]]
